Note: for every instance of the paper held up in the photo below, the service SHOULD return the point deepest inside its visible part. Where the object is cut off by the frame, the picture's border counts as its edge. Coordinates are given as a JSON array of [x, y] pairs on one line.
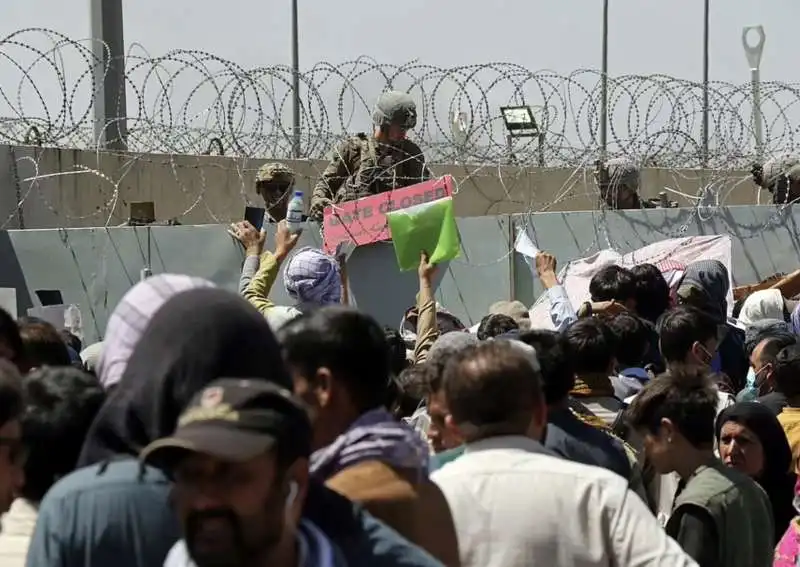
[[524, 245], [364, 220], [430, 227]]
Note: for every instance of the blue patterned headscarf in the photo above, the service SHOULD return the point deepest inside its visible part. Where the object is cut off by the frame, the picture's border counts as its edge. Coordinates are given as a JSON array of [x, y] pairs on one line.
[[311, 276]]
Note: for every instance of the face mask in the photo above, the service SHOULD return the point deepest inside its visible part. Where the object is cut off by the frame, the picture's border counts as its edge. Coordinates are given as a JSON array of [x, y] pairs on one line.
[[751, 378], [796, 501], [750, 391], [753, 389]]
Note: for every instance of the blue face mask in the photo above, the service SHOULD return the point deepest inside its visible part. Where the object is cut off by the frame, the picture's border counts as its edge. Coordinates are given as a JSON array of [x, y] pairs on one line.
[[751, 378], [750, 391]]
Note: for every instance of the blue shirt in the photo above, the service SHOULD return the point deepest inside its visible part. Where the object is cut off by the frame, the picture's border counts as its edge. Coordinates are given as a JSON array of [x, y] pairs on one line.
[[121, 517], [95, 517], [562, 314]]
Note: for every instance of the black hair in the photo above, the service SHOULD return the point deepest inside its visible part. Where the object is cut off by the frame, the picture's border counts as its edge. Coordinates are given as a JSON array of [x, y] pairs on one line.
[[773, 345], [12, 399], [613, 282], [494, 325], [349, 343], [681, 327], [492, 389], [632, 339], [43, 344], [787, 370], [557, 367], [737, 307], [686, 396], [11, 339], [652, 291], [411, 388], [72, 341], [591, 346], [397, 350], [61, 404]]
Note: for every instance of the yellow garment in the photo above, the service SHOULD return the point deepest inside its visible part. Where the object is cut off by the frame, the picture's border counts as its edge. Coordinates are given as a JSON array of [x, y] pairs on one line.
[[258, 289], [789, 419], [593, 386]]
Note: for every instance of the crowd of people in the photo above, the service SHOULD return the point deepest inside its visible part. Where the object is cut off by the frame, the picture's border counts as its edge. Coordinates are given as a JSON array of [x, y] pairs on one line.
[[212, 428]]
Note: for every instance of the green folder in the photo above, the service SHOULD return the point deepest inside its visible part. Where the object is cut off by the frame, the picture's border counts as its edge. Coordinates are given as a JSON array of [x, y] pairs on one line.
[[430, 227]]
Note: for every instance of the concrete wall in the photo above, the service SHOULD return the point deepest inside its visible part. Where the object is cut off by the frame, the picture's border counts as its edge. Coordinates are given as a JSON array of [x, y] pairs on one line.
[[80, 188], [94, 267]]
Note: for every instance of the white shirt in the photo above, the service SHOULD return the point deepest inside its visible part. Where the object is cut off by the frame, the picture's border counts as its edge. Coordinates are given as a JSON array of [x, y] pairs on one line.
[[17, 528], [515, 505]]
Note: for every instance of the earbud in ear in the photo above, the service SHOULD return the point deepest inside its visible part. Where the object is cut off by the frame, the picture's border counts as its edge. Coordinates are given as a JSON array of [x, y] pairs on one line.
[[292, 496]]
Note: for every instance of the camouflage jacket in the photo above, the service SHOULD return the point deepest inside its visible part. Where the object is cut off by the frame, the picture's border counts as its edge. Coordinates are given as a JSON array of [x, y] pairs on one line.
[[360, 166]]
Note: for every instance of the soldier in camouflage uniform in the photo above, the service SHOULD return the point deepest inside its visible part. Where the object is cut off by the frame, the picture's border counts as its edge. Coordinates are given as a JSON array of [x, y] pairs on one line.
[[618, 181], [364, 165], [781, 177], [274, 182]]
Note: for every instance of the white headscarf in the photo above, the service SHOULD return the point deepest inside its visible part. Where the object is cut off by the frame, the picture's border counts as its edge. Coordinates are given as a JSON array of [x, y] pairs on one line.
[[760, 305]]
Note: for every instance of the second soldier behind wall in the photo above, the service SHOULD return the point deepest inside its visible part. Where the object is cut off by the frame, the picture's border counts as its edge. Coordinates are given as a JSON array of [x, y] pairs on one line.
[[781, 177], [619, 181], [274, 182], [364, 165]]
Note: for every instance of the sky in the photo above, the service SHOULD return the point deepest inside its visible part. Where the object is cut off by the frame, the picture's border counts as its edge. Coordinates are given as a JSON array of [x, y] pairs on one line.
[[646, 36]]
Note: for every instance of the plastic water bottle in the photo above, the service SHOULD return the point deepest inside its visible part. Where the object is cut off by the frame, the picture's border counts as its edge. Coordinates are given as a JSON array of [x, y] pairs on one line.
[[294, 213]]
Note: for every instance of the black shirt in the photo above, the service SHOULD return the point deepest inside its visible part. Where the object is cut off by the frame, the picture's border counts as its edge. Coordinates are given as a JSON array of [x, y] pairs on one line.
[[775, 401], [575, 440]]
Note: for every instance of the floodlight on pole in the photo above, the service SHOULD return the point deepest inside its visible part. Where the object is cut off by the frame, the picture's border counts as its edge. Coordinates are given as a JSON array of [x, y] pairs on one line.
[[520, 123]]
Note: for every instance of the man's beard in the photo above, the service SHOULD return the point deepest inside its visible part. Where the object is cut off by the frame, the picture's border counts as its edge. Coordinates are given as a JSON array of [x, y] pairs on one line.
[[216, 538]]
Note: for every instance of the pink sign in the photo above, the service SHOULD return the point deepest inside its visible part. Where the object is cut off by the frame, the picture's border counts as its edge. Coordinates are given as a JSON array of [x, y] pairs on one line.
[[363, 221]]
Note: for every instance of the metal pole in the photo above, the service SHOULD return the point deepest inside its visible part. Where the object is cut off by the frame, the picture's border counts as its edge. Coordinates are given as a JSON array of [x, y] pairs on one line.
[[753, 52], [758, 123], [295, 82], [604, 87], [110, 106], [705, 134]]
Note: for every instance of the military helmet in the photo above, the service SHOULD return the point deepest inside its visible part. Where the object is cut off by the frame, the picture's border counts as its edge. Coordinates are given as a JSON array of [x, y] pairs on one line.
[[773, 168], [623, 172], [395, 107], [275, 172]]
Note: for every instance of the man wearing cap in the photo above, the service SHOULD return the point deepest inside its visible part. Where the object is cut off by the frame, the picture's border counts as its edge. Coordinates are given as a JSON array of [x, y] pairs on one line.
[[364, 165], [781, 177], [239, 459]]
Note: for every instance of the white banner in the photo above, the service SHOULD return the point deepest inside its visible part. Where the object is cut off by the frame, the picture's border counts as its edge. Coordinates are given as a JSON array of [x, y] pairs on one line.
[[576, 275]]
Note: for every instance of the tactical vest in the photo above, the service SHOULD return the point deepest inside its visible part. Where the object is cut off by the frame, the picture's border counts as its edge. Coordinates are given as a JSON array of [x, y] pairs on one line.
[[376, 171]]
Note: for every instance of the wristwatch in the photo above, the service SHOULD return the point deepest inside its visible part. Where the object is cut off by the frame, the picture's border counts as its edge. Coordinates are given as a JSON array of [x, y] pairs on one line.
[[585, 310]]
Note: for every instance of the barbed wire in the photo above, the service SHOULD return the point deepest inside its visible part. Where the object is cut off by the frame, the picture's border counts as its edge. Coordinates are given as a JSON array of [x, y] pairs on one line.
[[177, 103], [187, 103]]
